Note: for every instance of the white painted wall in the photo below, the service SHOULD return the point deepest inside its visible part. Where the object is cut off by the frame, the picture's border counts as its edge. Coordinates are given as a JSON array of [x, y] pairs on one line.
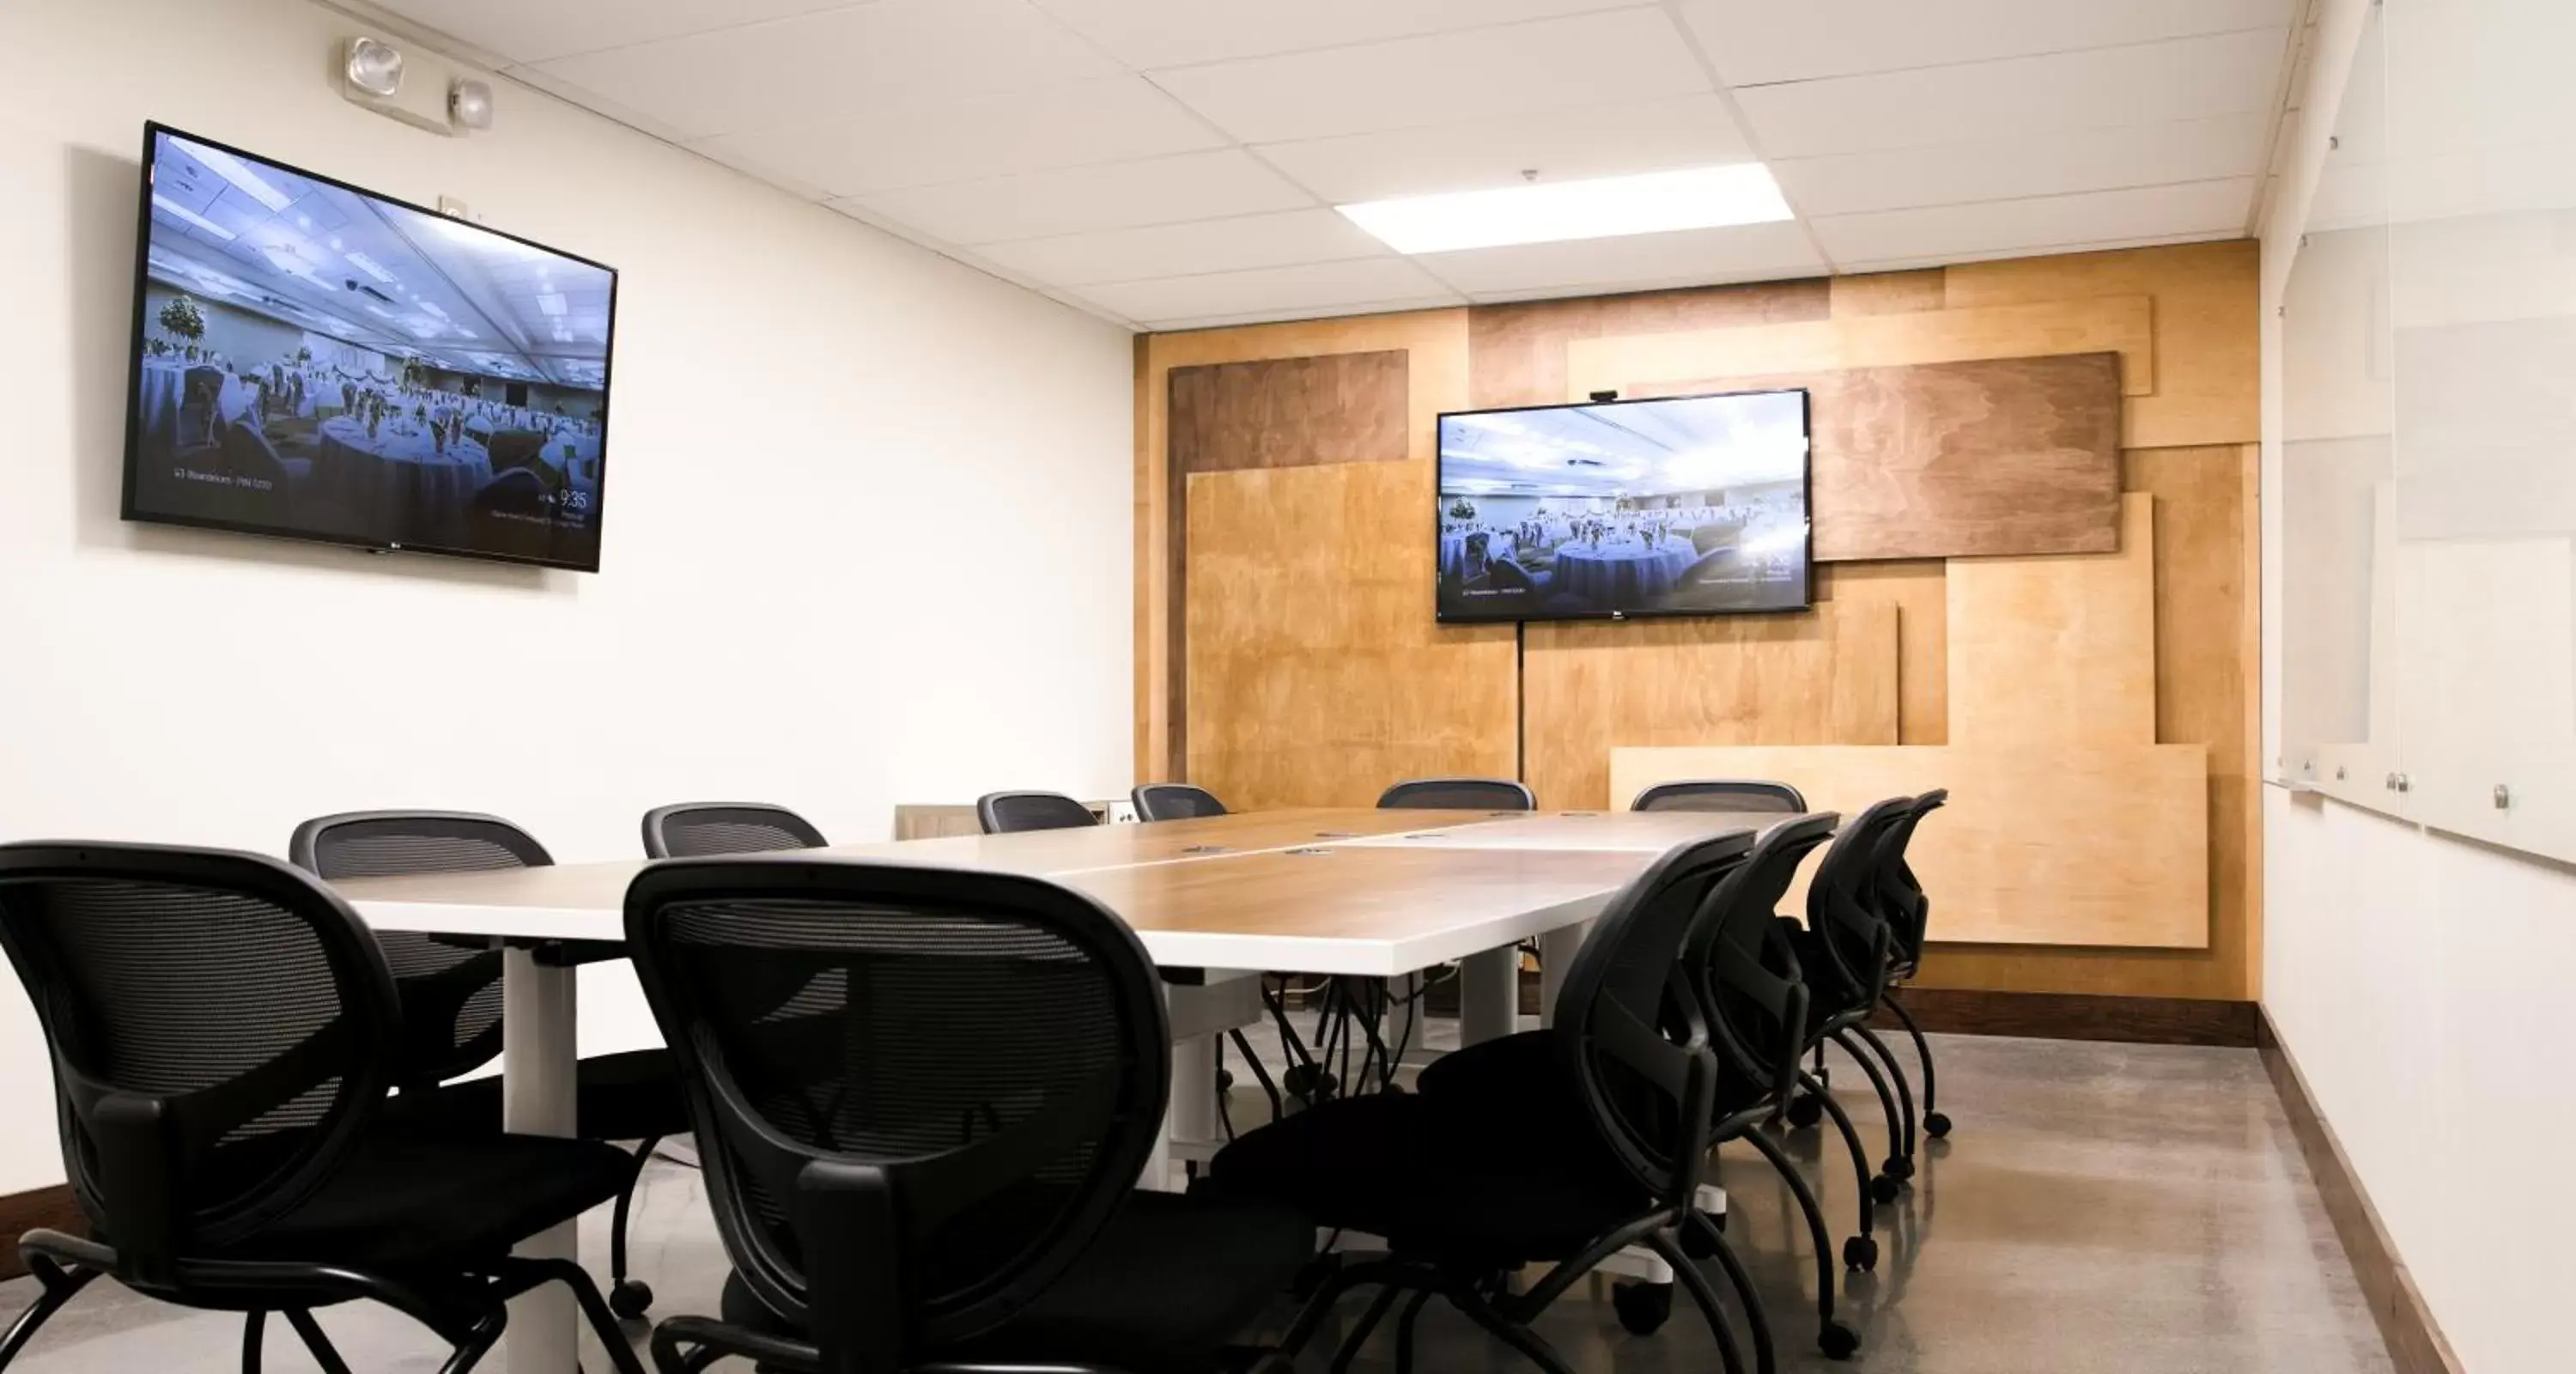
[[867, 534], [2418, 978]]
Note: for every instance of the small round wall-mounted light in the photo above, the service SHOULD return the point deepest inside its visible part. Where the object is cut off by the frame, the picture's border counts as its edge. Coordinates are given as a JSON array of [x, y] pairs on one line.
[[375, 67], [469, 104]]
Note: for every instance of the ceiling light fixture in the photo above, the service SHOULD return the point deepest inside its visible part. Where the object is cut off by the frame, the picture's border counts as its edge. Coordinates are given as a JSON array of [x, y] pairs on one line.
[[374, 67], [175, 210], [1609, 207], [469, 105]]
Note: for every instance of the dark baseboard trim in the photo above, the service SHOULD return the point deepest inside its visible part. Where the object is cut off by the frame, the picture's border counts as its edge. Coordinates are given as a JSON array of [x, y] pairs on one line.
[[23, 1212], [2414, 1339], [2081, 1016]]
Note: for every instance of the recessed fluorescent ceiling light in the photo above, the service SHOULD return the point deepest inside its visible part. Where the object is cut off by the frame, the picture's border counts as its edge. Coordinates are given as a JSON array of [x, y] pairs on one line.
[[371, 267], [175, 210], [230, 168], [1551, 212]]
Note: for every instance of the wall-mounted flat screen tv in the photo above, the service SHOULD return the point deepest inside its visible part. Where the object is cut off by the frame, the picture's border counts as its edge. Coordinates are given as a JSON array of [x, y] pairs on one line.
[[315, 361], [1691, 505]]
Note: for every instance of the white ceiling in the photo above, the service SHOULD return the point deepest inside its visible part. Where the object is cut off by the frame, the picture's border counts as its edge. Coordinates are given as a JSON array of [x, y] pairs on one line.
[[1172, 163]]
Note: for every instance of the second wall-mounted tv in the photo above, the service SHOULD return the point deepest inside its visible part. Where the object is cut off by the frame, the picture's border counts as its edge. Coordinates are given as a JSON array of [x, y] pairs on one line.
[[315, 361], [1688, 505]]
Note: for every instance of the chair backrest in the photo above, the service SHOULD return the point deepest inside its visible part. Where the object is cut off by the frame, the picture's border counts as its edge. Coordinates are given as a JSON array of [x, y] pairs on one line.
[[1843, 912], [1174, 801], [918, 1092], [692, 830], [1458, 794], [451, 996], [1008, 813], [1742, 965], [1721, 794], [1901, 898], [221, 1026], [1631, 1029]]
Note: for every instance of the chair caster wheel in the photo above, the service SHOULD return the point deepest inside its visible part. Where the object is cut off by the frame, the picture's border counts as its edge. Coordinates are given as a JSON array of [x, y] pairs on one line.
[[1899, 1168], [630, 1300], [1307, 1085], [1861, 1252], [1937, 1125], [1884, 1189], [1225, 1080], [1805, 1111], [1643, 1308], [1837, 1341]]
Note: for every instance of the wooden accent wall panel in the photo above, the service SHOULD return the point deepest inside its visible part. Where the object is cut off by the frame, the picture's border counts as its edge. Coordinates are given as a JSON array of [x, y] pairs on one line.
[[1944, 460], [2057, 650], [1889, 293], [1518, 351], [1830, 677], [1919, 590], [1289, 412], [2038, 846]]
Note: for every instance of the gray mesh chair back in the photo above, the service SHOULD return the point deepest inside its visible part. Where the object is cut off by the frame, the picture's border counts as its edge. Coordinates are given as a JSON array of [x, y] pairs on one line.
[[1721, 794], [451, 996], [1458, 794], [693, 830], [220, 1025], [1901, 898], [918, 1092], [1008, 813], [1174, 801], [1843, 913], [1741, 963]]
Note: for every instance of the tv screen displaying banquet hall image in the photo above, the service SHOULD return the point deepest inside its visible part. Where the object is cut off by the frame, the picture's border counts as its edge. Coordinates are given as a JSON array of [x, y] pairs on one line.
[[1694, 505], [318, 362]]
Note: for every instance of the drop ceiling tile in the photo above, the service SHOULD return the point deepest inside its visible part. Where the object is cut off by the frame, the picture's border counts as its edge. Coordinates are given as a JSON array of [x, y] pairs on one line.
[[526, 32], [1189, 322], [1208, 245], [1172, 33], [1564, 145], [1314, 286], [1754, 42], [593, 101], [837, 65], [1698, 256], [1075, 200], [2039, 164], [1117, 120], [2055, 250], [2191, 78], [1952, 231], [1552, 64]]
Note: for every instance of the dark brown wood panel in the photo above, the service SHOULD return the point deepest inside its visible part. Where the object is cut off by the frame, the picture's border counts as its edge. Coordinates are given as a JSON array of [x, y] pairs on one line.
[[1289, 412], [2414, 1340], [1948, 460], [1517, 352], [51, 1208], [2078, 1016]]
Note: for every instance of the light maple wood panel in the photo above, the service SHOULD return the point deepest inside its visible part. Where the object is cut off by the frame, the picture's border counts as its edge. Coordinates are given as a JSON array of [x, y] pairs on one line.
[[2208, 336], [1518, 350], [1940, 460], [1826, 677], [2106, 324], [1918, 589], [1888, 293], [2058, 649], [2038, 846], [1289, 412]]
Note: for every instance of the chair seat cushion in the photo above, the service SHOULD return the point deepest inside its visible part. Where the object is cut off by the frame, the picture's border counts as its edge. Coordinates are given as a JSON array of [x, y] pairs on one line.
[[1521, 1078], [1168, 1284], [405, 1199], [631, 1096]]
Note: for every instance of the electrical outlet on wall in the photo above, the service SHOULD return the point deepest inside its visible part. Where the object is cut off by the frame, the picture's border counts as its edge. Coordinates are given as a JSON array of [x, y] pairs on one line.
[[453, 208]]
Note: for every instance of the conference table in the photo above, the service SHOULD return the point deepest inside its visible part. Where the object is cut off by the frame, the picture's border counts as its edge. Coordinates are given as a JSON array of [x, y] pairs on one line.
[[1365, 893]]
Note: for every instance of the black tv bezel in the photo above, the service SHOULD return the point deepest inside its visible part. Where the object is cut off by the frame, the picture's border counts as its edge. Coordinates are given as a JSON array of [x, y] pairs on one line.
[[1806, 484], [152, 131]]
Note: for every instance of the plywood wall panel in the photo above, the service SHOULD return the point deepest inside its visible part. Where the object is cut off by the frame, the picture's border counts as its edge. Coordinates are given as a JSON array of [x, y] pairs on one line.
[[1918, 589], [1888, 293], [2057, 650], [2097, 846], [1289, 412], [1822, 678], [1519, 350]]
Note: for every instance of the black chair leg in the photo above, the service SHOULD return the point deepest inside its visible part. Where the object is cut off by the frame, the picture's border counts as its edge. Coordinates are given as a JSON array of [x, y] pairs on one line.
[[1904, 1090], [1832, 1337], [1404, 1325], [1260, 1072], [626, 1297], [254, 1327], [1730, 1355], [478, 1344], [1520, 1338], [1866, 1178], [324, 1353], [1935, 1123], [55, 1286], [1896, 1166], [1367, 1326]]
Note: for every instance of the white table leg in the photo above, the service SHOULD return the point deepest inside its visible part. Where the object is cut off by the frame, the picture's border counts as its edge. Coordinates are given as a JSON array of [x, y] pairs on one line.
[[1192, 1124], [1489, 995], [540, 1067], [1556, 951]]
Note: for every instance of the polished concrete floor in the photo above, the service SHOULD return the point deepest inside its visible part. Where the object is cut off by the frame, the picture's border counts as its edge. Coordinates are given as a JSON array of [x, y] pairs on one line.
[[2099, 1208]]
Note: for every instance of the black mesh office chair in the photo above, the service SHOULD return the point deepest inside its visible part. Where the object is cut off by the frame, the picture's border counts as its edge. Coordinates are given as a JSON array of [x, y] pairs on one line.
[[1174, 801], [1594, 1144], [1843, 952], [1909, 917], [223, 1033], [1009, 813], [1458, 794], [1720, 794], [931, 1161], [452, 1000], [693, 830]]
